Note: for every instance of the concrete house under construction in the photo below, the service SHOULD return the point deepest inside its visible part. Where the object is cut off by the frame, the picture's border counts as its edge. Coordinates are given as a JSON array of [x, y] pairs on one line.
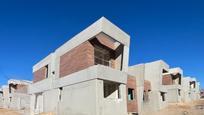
[[85, 76], [154, 72], [151, 93], [172, 81], [15, 96]]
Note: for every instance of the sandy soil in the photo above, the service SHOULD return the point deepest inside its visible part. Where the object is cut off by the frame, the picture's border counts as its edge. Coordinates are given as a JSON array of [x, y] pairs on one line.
[[8, 112], [194, 108]]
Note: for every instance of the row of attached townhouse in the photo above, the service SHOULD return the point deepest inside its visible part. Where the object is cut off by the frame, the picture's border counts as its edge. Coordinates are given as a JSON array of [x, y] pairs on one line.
[[15, 96], [89, 75]]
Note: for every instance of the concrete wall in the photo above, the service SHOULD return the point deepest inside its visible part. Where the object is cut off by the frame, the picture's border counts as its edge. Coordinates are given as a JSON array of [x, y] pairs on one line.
[[20, 102], [154, 74], [77, 85], [132, 105], [72, 76], [76, 97], [186, 89], [138, 72]]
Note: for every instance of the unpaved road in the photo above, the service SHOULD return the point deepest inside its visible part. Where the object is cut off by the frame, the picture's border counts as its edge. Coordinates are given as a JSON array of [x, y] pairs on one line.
[[194, 108], [8, 112]]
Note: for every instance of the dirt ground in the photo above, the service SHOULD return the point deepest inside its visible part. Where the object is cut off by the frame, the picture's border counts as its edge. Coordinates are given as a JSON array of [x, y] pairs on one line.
[[194, 108], [8, 112]]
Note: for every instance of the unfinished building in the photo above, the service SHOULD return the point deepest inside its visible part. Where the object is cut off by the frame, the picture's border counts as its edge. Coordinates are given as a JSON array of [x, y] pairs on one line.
[[157, 96], [18, 98], [202, 93], [142, 89], [90, 69], [6, 101], [151, 93], [194, 89], [172, 81], [1, 98]]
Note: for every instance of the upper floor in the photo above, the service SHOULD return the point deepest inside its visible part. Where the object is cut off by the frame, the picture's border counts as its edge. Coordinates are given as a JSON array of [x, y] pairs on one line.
[[102, 43], [173, 77], [18, 86]]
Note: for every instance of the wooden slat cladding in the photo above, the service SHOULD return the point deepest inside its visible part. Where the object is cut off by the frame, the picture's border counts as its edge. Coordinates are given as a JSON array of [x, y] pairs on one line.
[[167, 80], [77, 59], [132, 104], [40, 74]]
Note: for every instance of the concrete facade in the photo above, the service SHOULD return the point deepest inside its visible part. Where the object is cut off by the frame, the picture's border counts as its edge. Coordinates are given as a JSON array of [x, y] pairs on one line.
[[202, 93], [172, 81], [89, 75], [191, 89], [15, 96], [92, 64], [1, 98], [158, 95], [138, 72], [151, 93]]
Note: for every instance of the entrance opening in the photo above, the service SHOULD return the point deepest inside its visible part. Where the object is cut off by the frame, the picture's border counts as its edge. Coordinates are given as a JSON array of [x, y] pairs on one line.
[[111, 90]]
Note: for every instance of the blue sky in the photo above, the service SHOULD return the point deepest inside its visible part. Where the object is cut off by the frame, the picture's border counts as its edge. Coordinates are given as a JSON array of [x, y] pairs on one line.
[[172, 30]]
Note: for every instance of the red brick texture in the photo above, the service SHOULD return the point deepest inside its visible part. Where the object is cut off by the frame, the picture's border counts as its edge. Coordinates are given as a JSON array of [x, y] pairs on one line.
[[132, 104], [77, 59], [40, 74], [105, 40], [147, 85], [167, 80], [21, 88]]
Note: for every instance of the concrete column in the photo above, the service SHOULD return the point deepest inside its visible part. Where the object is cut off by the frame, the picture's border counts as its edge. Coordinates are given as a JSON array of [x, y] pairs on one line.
[[32, 104], [125, 58]]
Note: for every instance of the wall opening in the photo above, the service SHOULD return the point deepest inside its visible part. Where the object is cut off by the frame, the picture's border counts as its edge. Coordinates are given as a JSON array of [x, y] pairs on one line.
[[163, 96], [192, 84], [60, 93], [12, 88], [46, 71], [164, 71], [1, 93], [101, 56], [146, 96], [131, 94], [111, 90], [37, 96], [179, 92]]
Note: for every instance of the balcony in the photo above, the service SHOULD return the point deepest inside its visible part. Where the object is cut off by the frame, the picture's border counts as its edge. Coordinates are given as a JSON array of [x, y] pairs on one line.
[[102, 61]]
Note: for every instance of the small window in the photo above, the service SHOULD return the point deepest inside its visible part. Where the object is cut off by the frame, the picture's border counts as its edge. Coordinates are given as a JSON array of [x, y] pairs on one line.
[[179, 92], [163, 96], [46, 71], [111, 90], [130, 94], [60, 93]]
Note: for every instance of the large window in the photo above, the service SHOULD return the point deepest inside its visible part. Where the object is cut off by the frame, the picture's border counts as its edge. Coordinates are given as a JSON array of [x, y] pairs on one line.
[[111, 90], [102, 56], [130, 94]]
